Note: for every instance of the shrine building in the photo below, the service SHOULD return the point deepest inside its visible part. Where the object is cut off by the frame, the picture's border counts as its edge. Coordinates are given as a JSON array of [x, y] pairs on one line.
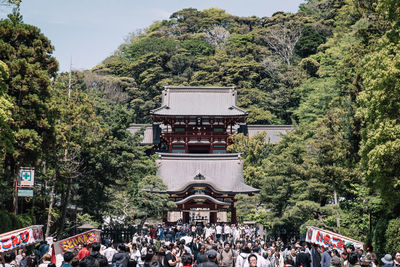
[[190, 132]]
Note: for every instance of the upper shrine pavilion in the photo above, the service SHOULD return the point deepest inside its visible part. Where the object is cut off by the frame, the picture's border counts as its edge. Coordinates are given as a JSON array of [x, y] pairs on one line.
[[190, 132]]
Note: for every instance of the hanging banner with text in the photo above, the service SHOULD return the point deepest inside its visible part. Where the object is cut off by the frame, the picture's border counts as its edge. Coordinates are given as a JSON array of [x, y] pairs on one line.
[[327, 238], [21, 238], [73, 242]]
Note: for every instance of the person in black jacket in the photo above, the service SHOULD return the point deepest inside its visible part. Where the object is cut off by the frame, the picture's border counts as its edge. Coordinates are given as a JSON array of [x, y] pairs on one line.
[[121, 258], [303, 259], [212, 258], [316, 256], [95, 259]]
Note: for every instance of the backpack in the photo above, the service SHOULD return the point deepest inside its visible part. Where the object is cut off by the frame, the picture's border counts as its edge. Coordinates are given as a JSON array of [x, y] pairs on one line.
[[244, 259], [118, 264], [132, 263], [222, 257], [121, 263]]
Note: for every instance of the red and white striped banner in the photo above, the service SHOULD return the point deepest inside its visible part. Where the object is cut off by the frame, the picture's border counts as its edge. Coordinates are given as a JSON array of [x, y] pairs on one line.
[[327, 238], [21, 238]]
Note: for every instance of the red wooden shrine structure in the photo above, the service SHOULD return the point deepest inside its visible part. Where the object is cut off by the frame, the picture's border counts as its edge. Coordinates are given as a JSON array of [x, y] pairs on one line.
[[190, 132]]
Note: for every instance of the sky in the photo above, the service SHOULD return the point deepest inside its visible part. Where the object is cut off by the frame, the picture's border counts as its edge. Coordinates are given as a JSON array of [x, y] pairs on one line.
[[85, 32]]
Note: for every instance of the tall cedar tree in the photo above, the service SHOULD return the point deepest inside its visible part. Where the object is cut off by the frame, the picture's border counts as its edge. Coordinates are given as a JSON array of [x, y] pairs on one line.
[[27, 53]]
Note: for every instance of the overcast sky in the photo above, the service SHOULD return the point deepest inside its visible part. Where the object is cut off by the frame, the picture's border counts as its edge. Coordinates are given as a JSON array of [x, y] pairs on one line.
[[88, 31]]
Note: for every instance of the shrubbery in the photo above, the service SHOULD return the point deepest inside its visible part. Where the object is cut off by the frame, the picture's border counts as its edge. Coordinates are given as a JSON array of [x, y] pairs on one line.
[[393, 236], [11, 222]]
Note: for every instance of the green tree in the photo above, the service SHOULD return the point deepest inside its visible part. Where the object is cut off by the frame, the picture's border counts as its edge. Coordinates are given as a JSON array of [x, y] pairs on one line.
[[151, 199], [309, 41], [392, 236], [27, 54], [379, 109], [254, 150], [77, 129], [6, 135]]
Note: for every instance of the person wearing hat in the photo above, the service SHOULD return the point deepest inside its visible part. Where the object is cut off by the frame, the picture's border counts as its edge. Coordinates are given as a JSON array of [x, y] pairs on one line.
[[366, 260], [212, 258], [387, 260]]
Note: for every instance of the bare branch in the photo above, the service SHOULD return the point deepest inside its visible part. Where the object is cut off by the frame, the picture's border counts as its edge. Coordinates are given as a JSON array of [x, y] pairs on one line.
[[283, 40], [217, 36]]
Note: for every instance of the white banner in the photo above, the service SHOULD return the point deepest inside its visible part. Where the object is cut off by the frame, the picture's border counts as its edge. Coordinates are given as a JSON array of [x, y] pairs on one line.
[[327, 238], [21, 237]]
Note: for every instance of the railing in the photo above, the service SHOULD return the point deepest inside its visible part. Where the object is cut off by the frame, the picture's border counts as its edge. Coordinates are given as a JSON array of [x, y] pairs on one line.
[[119, 233]]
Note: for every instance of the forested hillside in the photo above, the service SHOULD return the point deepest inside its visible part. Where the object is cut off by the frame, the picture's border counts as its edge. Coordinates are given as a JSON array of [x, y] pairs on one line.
[[259, 55], [331, 69]]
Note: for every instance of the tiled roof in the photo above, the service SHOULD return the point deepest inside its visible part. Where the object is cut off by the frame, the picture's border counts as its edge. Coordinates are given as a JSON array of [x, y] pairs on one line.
[[147, 135], [199, 101], [223, 172], [273, 132]]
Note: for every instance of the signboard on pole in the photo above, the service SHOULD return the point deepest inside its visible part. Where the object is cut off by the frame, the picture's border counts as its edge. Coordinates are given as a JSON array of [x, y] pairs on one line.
[[25, 192], [20, 238], [326, 238], [27, 177]]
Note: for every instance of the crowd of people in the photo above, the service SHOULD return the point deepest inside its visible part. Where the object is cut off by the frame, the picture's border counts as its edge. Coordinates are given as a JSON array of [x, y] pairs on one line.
[[211, 246]]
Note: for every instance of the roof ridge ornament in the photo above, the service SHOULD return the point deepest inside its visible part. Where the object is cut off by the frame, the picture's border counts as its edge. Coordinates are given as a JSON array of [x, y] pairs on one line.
[[199, 176]]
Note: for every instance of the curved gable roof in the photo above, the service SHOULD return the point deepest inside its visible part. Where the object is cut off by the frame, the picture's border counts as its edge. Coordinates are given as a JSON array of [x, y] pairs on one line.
[[224, 172], [199, 101]]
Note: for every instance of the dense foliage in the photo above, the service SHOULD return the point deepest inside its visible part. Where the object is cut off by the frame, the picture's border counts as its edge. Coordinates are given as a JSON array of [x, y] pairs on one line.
[[331, 69]]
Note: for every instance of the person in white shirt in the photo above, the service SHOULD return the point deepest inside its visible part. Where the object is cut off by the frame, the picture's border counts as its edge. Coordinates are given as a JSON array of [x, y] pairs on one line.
[[218, 232], [227, 230], [20, 256], [46, 260], [235, 233], [261, 262], [209, 231], [135, 254], [109, 252]]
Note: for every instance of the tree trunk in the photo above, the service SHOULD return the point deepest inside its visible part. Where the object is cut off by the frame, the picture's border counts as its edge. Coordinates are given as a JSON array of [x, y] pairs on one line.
[[50, 205], [142, 221], [64, 207], [337, 207], [16, 194], [66, 200]]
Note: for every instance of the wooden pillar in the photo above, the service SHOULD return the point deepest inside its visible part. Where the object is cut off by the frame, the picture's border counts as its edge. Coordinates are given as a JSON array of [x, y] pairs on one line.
[[185, 217], [233, 213], [165, 216], [213, 216]]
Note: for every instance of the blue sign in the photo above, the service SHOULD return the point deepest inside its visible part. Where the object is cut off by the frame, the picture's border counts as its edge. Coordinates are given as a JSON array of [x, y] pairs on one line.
[[25, 192]]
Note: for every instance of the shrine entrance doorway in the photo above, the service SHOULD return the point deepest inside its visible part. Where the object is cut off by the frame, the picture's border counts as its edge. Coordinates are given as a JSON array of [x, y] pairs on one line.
[[199, 149]]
